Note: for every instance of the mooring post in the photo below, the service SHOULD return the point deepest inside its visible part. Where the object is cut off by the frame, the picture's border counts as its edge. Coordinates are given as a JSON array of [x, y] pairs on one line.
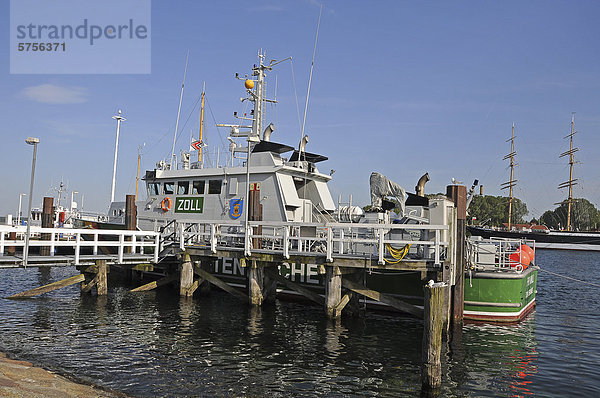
[[458, 194], [333, 290], [186, 280], [130, 216], [102, 285], [11, 250], [433, 323], [47, 222], [256, 282]]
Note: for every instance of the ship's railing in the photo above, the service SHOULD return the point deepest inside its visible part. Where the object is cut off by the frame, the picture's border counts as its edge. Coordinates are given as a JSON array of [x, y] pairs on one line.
[[329, 239], [498, 254], [81, 240]]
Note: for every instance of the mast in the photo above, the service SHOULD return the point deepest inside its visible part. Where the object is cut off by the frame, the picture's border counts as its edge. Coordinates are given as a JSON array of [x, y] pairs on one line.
[[137, 179], [178, 113], [572, 181], [512, 182], [201, 125], [256, 91]]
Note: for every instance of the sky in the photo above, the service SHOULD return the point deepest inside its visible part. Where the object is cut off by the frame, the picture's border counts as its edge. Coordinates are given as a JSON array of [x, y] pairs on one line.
[[398, 87]]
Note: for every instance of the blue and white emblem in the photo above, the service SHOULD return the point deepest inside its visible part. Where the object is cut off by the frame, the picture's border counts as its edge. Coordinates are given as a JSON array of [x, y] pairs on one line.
[[236, 207]]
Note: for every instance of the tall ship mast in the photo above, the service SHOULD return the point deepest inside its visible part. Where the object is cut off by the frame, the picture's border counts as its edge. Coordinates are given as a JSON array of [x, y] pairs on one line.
[[572, 181], [512, 182]]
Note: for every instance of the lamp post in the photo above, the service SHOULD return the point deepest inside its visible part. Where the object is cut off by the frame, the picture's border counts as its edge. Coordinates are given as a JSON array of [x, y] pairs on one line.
[[31, 141], [19, 213], [118, 118]]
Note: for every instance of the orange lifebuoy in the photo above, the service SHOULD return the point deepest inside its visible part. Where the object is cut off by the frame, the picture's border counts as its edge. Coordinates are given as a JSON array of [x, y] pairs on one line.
[[166, 204], [520, 257]]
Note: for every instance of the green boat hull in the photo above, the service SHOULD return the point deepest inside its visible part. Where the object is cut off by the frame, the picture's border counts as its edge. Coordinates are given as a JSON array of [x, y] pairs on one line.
[[500, 296]]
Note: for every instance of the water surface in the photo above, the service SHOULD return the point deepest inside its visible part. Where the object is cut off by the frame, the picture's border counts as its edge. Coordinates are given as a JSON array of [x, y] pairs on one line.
[[156, 344]]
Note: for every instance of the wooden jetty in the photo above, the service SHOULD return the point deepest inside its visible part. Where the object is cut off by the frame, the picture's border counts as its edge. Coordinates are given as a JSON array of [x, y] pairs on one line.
[[183, 253]]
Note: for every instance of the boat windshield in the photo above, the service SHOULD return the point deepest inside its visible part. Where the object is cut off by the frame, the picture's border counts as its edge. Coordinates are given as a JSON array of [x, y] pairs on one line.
[[182, 187], [198, 188]]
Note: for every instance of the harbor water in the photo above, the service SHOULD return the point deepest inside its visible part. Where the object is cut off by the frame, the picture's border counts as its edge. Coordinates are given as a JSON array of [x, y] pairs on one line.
[[156, 344]]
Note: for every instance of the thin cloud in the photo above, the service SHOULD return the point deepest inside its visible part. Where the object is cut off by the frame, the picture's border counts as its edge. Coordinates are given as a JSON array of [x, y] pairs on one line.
[[53, 94]]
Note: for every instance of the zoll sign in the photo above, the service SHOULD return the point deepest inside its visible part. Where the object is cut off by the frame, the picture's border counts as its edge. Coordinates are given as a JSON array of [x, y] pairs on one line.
[[189, 205]]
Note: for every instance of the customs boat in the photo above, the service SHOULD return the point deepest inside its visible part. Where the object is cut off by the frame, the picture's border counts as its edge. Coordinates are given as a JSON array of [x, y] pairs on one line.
[[286, 190]]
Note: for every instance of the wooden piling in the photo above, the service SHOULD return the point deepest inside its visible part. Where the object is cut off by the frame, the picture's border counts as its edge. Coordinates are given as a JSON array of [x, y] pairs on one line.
[[256, 279], [333, 290], [186, 279], [11, 250], [130, 213], [102, 285], [458, 194], [433, 323], [47, 222], [130, 216]]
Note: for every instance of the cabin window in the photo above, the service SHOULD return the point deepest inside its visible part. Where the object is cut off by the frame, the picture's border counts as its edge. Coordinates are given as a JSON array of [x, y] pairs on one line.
[[183, 187], [168, 190], [214, 186], [198, 188], [153, 188]]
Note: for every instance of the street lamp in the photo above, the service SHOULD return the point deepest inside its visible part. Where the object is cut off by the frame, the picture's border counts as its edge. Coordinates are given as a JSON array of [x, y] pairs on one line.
[[119, 119], [19, 213], [31, 141]]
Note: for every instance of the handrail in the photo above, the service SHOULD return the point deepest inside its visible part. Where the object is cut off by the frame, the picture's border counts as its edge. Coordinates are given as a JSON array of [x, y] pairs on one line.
[[495, 253], [137, 240], [327, 238]]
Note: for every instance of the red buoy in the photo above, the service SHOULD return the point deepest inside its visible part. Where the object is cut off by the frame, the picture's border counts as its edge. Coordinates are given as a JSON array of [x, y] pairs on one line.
[[523, 260], [529, 251]]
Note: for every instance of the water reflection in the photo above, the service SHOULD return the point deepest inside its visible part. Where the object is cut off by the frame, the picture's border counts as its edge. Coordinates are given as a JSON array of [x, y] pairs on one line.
[[498, 358], [334, 333]]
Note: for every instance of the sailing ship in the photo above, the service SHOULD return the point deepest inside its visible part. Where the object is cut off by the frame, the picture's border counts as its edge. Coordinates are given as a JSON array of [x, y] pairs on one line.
[[567, 239]]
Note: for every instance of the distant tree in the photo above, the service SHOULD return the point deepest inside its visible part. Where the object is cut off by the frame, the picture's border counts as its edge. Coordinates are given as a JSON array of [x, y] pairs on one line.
[[493, 210], [550, 219], [584, 216]]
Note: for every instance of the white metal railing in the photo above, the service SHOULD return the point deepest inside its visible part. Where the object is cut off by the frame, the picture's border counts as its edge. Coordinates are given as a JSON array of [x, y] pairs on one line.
[[500, 254], [330, 239], [138, 241]]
